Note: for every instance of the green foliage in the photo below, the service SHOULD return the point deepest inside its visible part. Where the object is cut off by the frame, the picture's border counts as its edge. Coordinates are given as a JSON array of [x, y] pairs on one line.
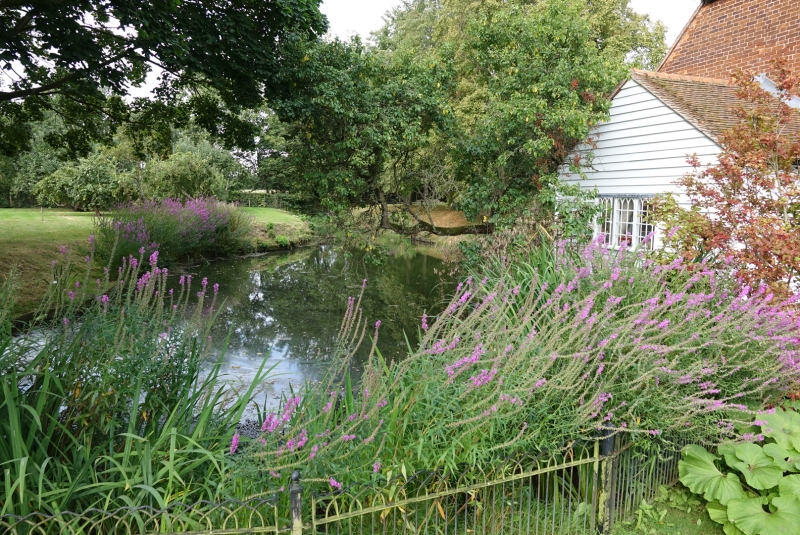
[[84, 70], [106, 405], [546, 84], [91, 183], [283, 241], [183, 175], [359, 113], [753, 489], [662, 511], [529, 79]]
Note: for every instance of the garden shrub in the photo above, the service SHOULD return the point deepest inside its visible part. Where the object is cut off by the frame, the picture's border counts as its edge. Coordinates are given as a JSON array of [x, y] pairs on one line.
[[179, 230], [604, 342], [754, 488]]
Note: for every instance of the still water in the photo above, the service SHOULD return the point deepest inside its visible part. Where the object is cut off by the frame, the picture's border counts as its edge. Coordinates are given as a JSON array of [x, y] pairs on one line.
[[287, 308]]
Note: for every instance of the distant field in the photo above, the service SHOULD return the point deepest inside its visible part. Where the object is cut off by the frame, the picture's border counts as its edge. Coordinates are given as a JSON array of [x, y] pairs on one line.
[[30, 240]]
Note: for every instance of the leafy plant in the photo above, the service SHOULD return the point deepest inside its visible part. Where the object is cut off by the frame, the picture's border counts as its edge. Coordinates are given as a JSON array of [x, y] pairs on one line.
[[106, 406], [745, 209], [179, 230], [283, 241], [753, 488], [531, 360]]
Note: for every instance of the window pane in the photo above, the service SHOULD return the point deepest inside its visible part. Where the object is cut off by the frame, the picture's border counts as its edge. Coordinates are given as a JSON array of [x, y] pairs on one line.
[[645, 226], [625, 222]]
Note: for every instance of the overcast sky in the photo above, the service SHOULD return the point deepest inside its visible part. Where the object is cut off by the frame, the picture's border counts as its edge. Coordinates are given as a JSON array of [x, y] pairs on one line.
[[347, 17]]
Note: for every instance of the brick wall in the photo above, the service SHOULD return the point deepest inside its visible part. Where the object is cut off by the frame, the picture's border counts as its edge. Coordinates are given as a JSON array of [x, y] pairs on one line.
[[730, 34]]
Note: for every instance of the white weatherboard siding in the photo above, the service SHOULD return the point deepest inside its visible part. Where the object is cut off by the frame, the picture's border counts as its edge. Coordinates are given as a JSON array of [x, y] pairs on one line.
[[643, 147]]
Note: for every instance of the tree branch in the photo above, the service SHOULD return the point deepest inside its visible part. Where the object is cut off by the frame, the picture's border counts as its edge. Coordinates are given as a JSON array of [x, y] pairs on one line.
[[57, 84]]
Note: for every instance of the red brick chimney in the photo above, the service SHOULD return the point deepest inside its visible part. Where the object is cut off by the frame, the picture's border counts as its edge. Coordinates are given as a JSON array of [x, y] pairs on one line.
[[725, 35]]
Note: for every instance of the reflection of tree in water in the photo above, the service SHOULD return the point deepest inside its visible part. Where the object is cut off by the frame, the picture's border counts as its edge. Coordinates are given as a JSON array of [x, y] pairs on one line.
[[295, 302]]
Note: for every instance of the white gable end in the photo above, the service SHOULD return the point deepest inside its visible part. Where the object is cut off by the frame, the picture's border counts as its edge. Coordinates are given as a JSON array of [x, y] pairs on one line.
[[642, 149]]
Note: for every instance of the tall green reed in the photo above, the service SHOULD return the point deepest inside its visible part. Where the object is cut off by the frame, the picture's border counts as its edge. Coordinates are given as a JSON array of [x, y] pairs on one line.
[[103, 402]]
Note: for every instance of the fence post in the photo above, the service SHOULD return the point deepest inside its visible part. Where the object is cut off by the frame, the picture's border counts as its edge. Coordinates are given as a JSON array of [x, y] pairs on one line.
[[605, 506], [296, 504]]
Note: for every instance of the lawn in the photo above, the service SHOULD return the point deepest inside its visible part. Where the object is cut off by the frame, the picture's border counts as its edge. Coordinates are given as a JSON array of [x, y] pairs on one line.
[[30, 239]]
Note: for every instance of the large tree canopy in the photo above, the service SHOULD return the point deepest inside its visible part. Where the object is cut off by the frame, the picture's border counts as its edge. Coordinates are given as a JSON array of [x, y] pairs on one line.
[[80, 57]]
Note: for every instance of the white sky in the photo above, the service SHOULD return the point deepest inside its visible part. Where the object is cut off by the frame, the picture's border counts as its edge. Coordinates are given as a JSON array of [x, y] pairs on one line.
[[347, 17]]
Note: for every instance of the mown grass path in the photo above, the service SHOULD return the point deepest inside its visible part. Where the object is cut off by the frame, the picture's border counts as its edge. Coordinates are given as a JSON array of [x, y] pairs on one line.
[[30, 240]]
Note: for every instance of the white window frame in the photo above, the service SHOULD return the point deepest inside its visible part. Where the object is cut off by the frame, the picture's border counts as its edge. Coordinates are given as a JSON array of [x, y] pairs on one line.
[[622, 221]]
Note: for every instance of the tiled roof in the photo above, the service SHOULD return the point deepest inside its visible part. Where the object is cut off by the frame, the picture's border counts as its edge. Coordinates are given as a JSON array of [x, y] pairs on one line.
[[706, 103]]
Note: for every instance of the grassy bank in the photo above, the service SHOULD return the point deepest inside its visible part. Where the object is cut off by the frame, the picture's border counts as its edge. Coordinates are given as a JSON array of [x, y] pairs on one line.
[[30, 239]]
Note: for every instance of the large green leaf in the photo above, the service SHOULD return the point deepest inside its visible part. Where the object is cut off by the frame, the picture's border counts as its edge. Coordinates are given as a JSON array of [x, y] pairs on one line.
[[784, 428], [759, 470], [698, 472], [719, 514], [750, 516], [790, 485], [788, 460], [730, 529], [728, 451]]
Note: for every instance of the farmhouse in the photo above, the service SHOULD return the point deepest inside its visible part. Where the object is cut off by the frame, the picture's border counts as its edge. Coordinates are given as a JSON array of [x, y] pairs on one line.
[[658, 119]]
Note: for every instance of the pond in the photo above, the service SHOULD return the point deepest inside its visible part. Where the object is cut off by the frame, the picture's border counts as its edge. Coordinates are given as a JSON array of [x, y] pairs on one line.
[[287, 308]]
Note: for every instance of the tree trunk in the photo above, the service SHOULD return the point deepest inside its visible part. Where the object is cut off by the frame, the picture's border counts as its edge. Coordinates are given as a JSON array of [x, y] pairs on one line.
[[384, 209]]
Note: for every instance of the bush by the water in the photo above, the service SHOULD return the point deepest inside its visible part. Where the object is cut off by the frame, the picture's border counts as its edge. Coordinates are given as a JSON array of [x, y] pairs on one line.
[[602, 342], [178, 229], [105, 406]]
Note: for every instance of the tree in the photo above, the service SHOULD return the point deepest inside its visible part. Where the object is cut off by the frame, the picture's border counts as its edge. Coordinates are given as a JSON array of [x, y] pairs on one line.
[[89, 184], [502, 51], [543, 85], [80, 57], [267, 160], [745, 210], [183, 175], [360, 113]]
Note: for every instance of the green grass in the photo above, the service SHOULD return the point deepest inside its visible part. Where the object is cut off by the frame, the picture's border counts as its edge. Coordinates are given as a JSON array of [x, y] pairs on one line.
[[30, 239]]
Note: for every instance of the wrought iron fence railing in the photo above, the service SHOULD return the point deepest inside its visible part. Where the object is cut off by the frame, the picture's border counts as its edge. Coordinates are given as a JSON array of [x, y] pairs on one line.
[[581, 490]]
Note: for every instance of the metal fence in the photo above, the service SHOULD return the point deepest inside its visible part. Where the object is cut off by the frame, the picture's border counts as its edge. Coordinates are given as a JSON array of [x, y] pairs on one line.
[[581, 490]]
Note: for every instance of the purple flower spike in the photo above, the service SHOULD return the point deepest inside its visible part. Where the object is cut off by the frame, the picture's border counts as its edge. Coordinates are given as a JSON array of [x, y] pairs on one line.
[[335, 484], [234, 443]]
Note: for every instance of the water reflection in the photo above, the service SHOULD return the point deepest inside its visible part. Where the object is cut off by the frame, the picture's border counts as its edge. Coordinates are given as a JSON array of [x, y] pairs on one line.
[[287, 308]]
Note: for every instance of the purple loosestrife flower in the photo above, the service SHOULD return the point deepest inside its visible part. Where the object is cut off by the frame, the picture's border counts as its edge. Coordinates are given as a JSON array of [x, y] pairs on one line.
[[477, 353], [484, 377], [71, 295], [154, 258], [234, 443], [216, 288], [376, 468], [348, 438], [335, 484], [66, 322], [425, 322], [270, 423]]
